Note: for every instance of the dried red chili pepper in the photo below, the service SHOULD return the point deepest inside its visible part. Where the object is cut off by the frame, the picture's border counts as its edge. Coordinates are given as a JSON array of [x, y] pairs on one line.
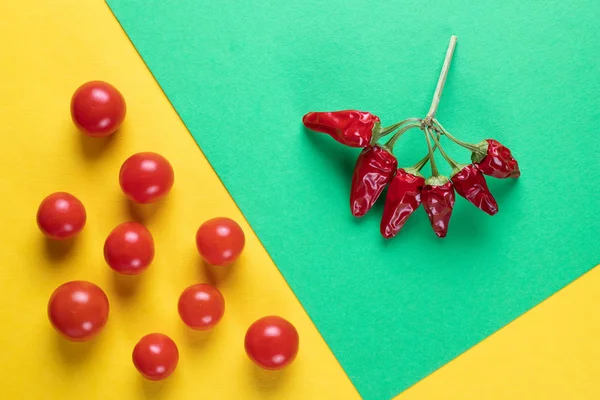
[[350, 127], [438, 200], [470, 183], [495, 159], [402, 199], [374, 169]]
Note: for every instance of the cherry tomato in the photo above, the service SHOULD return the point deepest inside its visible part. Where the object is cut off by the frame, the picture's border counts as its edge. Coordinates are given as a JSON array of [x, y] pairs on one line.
[[97, 109], [201, 306], [155, 356], [61, 216], [129, 248], [78, 310], [146, 177], [272, 342], [220, 241]]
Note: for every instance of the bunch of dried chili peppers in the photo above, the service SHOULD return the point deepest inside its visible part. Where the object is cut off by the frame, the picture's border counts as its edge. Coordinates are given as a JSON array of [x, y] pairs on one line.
[[377, 168]]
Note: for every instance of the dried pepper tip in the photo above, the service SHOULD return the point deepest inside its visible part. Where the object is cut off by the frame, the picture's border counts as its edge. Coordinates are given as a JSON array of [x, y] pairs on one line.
[[349, 127], [402, 199], [374, 169], [494, 159], [470, 183], [438, 200]]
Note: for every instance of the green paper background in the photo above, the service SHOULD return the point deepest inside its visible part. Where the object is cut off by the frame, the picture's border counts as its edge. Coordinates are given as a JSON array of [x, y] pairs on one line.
[[241, 74]]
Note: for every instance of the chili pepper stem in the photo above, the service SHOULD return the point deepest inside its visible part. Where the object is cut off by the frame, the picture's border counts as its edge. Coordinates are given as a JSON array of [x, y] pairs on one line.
[[459, 142], [434, 170], [389, 129], [415, 169], [390, 144], [441, 81], [419, 166], [453, 164], [382, 132]]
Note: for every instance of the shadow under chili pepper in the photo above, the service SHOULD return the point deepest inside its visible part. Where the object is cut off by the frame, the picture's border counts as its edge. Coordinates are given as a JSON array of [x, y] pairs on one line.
[[343, 161], [468, 222], [342, 158], [501, 188]]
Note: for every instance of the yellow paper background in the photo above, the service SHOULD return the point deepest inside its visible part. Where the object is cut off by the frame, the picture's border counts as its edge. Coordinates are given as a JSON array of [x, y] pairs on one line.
[[48, 49]]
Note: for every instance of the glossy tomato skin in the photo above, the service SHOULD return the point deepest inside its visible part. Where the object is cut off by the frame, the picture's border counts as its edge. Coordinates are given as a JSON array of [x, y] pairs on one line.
[[220, 241], [61, 216], [155, 356], [146, 177], [272, 342], [78, 310], [201, 306], [98, 109], [129, 248]]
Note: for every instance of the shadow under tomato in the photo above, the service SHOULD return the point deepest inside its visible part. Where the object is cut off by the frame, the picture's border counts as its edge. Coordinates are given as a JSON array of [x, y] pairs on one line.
[[74, 353], [142, 212], [154, 390], [126, 286], [198, 339], [58, 250], [92, 147], [215, 274], [267, 380]]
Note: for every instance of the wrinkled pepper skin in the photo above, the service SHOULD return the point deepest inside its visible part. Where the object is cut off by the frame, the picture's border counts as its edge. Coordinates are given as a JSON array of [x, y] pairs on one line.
[[470, 183], [498, 160], [438, 201], [374, 169], [402, 199], [349, 127]]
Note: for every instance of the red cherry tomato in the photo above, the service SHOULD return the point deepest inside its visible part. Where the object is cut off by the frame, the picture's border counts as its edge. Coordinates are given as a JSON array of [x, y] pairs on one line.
[[78, 310], [220, 241], [61, 216], [201, 306], [97, 109], [129, 248], [272, 342], [146, 177], [155, 356]]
